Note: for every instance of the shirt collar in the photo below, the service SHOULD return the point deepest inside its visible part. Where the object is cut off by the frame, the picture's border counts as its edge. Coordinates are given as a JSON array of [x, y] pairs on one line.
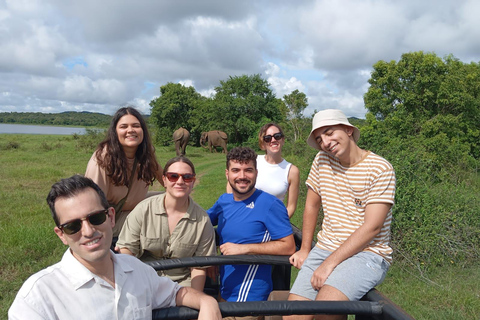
[[79, 275], [190, 214]]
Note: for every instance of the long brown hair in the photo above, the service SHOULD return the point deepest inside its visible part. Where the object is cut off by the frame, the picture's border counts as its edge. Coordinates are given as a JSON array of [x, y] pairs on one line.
[[112, 158]]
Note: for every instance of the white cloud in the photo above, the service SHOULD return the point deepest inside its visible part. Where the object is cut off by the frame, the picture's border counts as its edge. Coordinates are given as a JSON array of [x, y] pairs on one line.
[[96, 56]]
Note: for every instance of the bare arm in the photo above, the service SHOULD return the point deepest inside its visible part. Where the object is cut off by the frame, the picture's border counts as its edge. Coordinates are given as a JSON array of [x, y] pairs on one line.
[[293, 188], [198, 278], [195, 299], [375, 215], [310, 214], [282, 246]]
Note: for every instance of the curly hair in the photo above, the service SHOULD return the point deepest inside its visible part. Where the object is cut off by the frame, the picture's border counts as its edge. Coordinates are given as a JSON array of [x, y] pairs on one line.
[[112, 158], [242, 155], [263, 131]]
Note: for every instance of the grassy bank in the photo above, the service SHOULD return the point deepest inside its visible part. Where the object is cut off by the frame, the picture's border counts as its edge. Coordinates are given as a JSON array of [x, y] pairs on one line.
[[30, 164]]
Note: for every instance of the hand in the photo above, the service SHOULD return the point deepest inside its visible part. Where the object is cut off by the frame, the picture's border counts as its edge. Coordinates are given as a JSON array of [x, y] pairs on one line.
[[117, 249], [320, 275], [298, 258], [229, 249]]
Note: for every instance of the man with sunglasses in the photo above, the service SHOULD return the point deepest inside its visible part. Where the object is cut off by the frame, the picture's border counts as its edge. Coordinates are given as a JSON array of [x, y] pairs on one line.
[[91, 281], [249, 221]]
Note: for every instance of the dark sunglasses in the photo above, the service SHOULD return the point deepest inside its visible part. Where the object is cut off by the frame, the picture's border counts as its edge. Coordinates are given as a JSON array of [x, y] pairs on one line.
[[173, 177], [277, 137], [95, 218]]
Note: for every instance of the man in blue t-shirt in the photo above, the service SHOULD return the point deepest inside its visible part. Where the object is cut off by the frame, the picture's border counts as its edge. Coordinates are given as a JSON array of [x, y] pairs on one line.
[[249, 221]]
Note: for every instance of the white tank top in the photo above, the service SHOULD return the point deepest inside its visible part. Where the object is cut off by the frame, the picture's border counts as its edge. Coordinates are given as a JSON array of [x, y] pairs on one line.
[[272, 178]]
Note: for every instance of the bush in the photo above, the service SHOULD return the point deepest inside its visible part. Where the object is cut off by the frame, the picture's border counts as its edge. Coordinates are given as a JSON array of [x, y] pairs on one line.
[[90, 140], [11, 146]]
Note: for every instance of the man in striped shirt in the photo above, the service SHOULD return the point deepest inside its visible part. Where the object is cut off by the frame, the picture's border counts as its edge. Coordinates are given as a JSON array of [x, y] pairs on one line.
[[356, 189], [249, 221]]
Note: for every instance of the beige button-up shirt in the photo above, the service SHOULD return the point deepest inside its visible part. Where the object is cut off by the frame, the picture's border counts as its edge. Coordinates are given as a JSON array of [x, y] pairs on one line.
[[146, 234]]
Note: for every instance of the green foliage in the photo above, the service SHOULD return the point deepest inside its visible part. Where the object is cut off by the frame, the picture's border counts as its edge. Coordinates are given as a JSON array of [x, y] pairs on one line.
[[69, 118], [423, 117], [173, 109], [89, 140], [295, 102], [243, 104], [240, 107], [10, 145]]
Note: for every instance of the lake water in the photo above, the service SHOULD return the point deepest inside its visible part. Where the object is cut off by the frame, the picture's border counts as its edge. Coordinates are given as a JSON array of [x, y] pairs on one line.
[[31, 129]]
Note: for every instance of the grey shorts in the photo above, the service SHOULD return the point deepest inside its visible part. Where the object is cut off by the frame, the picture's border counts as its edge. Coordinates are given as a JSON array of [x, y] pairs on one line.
[[353, 277]]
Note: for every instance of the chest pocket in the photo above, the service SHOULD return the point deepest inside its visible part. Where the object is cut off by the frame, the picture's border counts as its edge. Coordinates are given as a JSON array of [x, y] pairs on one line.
[[154, 247], [183, 249]]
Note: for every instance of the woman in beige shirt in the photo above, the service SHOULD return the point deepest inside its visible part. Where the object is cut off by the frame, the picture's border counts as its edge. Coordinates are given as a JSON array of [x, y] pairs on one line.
[[111, 165], [171, 225]]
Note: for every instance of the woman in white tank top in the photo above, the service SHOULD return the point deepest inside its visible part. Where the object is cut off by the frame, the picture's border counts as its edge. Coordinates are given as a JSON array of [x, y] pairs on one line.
[[276, 175]]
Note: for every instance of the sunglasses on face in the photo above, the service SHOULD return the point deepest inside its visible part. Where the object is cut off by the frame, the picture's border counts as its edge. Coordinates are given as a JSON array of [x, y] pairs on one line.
[[95, 218], [277, 137], [173, 177]]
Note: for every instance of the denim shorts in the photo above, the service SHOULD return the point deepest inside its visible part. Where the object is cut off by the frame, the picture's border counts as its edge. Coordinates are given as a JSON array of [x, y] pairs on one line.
[[354, 277]]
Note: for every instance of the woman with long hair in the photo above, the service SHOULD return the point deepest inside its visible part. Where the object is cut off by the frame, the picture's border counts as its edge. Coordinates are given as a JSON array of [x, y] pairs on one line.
[[124, 164], [171, 225], [276, 175]]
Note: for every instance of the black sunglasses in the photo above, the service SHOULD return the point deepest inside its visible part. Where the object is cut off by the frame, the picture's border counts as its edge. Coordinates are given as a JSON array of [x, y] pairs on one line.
[[277, 137], [173, 176], [95, 218]]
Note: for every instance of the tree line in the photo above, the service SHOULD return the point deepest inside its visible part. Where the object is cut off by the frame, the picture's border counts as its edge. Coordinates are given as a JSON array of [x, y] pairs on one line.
[[239, 107], [69, 118]]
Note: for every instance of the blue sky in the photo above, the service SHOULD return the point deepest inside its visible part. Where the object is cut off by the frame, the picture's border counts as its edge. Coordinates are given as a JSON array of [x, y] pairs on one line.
[[97, 56]]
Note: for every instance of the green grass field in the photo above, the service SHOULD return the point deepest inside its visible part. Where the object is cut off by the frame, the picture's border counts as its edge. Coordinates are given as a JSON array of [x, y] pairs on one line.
[[30, 164]]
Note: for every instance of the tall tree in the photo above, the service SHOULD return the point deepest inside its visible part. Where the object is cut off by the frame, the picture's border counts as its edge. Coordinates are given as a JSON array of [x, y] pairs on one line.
[[173, 109], [423, 95], [244, 103], [295, 102]]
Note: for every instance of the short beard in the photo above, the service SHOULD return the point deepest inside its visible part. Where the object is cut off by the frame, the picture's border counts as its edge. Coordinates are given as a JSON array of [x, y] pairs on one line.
[[235, 190]]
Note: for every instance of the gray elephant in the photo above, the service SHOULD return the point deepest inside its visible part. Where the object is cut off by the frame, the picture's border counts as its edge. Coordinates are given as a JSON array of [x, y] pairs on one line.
[[215, 139], [181, 136]]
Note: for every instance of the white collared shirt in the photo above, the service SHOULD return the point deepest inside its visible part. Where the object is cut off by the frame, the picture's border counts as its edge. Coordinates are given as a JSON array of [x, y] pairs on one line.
[[68, 290]]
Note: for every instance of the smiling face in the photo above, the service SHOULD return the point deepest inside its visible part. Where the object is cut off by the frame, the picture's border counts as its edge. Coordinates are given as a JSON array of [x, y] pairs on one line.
[[274, 146], [242, 178], [179, 188], [129, 132], [335, 140], [90, 245]]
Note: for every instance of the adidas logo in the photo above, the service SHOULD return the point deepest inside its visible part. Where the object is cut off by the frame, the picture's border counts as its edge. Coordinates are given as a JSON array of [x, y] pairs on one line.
[[251, 205]]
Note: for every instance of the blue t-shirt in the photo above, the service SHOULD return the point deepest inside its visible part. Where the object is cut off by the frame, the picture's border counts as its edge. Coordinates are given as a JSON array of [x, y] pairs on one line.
[[260, 218]]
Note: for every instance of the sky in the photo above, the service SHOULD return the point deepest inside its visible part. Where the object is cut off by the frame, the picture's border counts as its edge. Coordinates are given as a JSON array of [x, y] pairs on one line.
[[97, 56]]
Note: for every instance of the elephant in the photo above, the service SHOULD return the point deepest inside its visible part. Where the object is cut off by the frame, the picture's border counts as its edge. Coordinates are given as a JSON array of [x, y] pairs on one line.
[[214, 138], [181, 136]]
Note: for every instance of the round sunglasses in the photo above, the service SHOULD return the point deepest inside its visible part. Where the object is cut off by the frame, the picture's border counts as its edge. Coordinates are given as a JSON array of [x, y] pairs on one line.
[[95, 218], [268, 137], [173, 177]]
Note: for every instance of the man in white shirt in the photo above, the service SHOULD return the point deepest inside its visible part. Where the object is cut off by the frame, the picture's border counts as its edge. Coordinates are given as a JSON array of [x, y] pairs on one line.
[[91, 281]]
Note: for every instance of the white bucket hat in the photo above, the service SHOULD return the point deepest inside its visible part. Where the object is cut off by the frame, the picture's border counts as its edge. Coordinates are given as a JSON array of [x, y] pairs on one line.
[[329, 117]]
